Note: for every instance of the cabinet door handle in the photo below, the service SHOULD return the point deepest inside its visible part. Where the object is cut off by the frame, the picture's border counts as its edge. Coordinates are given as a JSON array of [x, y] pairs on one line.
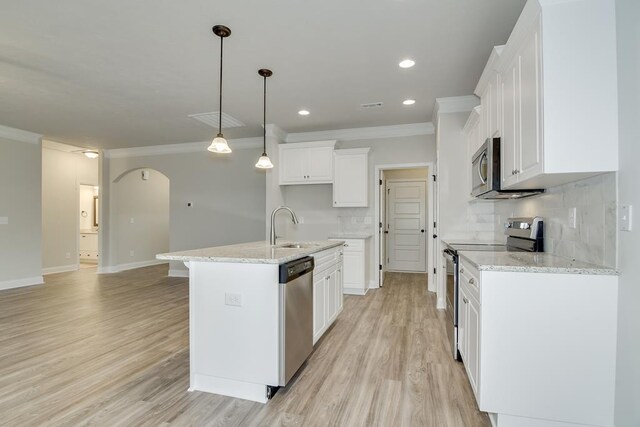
[[472, 282], [462, 270], [466, 301]]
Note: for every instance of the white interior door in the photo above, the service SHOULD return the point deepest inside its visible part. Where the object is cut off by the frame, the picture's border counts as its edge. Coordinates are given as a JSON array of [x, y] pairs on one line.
[[406, 219], [382, 239]]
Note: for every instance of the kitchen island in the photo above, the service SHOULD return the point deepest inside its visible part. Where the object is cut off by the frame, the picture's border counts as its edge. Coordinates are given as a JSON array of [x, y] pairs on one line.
[[235, 312]]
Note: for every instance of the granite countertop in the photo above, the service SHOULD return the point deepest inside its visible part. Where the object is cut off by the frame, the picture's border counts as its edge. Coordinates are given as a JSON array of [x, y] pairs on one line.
[[532, 262], [251, 253], [350, 235]]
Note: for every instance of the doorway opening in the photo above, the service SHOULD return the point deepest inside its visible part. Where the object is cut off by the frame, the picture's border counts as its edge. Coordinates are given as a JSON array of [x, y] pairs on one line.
[[405, 212], [88, 201]]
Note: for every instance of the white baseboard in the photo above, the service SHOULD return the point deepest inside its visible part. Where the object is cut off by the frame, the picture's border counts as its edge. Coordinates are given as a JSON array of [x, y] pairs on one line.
[[440, 305], [174, 272], [19, 283], [130, 266], [354, 291], [373, 284], [60, 269]]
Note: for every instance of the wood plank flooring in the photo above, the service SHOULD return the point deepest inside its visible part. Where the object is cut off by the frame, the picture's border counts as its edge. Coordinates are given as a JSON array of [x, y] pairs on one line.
[[113, 350]]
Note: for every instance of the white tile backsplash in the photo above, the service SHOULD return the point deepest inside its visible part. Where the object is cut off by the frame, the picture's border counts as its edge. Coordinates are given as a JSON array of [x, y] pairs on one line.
[[594, 238]]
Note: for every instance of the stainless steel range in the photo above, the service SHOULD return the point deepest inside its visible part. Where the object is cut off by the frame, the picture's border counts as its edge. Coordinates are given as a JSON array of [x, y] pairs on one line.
[[523, 235]]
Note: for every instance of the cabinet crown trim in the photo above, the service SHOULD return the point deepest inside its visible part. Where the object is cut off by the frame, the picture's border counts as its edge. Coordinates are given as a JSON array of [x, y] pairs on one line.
[[310, 144], [489, 69]]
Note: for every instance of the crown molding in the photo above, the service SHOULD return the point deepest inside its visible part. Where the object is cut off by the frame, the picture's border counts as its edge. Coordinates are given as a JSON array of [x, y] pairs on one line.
[[375, 132], [473, 119], [187, 147], [276, 132], [19, 135], [489, 70], [455, 104]]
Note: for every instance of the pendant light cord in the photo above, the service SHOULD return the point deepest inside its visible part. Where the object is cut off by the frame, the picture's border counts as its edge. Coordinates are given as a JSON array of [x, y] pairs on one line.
[[220, 115], [264, 119]]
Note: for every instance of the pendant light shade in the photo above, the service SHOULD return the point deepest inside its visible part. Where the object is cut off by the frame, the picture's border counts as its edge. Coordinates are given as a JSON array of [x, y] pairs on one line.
[[219, 144], [264, 162]]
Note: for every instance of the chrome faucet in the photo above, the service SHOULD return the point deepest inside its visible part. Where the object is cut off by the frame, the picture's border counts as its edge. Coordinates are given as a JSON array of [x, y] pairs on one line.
[[272, 234]]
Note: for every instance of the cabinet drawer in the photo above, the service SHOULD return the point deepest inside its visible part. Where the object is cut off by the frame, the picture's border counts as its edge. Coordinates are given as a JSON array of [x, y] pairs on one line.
[[469, 276], [326, 259], [351, 245]]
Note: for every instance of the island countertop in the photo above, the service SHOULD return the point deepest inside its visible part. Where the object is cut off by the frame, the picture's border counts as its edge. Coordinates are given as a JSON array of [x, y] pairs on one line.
[[252, 253], [532, 262]]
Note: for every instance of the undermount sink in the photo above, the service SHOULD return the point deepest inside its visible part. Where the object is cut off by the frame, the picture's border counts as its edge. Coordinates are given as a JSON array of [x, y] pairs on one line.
[[297, 245]]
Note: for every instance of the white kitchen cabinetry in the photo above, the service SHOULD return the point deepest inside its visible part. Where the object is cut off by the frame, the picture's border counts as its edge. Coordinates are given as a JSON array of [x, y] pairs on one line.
[[539, 348], [351, 178], [327, 290], [306, 163], [553, 76], [489, 90], [89, 247], [356, 254]]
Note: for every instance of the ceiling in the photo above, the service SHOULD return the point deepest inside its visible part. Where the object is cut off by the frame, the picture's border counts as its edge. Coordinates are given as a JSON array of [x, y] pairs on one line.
[[115, 74]]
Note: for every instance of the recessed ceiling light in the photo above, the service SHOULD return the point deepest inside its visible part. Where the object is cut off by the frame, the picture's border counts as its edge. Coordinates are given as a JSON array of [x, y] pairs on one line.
[[409, 101], [407, 63], [303, 112]]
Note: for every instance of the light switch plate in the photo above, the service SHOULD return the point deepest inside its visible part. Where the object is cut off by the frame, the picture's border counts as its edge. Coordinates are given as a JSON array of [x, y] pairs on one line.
[[233, 299], [626, 217], [573, 213], [4, 220]]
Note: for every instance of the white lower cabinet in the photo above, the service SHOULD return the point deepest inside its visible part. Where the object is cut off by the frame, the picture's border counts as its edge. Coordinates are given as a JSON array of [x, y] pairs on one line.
[[355, 266], [88, 247], [327, 290], [539, 348]]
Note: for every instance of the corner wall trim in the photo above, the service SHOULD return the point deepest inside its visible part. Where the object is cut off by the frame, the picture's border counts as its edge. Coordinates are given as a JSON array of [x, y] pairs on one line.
[[187, 147], [60, 269], [174, 272], [456, 104], [19, 283], [19, 135], [375, 132]]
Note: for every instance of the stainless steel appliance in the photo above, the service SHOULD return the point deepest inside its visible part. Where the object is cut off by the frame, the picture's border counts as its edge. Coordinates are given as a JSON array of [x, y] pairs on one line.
[[485, 174], [296, 316], [523, 235]]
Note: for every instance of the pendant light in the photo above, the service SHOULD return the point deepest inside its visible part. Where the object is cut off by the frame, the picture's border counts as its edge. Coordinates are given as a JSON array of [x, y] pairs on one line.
[[219, 144], [264, 162]]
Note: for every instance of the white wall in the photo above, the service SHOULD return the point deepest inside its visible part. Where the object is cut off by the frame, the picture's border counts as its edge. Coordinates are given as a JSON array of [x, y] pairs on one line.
[[314, 203], [20, 202], [62, 174], [227, 192], [142, 217], [628, 364]]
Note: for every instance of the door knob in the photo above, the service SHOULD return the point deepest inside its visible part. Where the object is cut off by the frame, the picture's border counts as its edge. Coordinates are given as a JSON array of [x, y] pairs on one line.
[[435, 236], [386, 232], [422, 231]]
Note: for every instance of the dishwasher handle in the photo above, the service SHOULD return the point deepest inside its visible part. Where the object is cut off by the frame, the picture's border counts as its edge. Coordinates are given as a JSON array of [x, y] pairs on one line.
[[292, 270]]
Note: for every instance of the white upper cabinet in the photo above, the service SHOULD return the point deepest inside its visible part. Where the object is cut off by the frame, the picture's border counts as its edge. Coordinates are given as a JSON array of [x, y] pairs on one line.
[[306, 163], [556, 82], [351, 178]]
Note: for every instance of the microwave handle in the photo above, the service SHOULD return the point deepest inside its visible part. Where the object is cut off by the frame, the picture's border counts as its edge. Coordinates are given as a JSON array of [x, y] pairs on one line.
[[479, 170]]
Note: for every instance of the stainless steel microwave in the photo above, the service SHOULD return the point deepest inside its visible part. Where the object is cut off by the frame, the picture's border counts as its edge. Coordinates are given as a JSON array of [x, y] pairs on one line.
[[485, 174]]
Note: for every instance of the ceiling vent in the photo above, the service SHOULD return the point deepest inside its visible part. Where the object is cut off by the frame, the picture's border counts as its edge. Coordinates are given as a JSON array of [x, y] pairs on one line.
[[371, 105], [212, 118]]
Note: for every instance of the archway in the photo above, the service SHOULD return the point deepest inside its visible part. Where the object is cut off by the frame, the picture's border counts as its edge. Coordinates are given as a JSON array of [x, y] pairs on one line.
[[141, 226]]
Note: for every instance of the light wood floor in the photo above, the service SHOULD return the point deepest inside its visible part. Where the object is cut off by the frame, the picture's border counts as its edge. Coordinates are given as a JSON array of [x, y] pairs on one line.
[[113, 350]]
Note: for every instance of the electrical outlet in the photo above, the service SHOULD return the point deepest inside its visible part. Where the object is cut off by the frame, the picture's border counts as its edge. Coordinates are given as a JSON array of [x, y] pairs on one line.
[[573, 213], [626, 217], [131, 253], [4, 220], [233, 299], [131, 220], [67, 255]]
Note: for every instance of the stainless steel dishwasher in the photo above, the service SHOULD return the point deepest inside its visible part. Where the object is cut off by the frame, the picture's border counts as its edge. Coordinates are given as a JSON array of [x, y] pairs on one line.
[[296, 316]]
